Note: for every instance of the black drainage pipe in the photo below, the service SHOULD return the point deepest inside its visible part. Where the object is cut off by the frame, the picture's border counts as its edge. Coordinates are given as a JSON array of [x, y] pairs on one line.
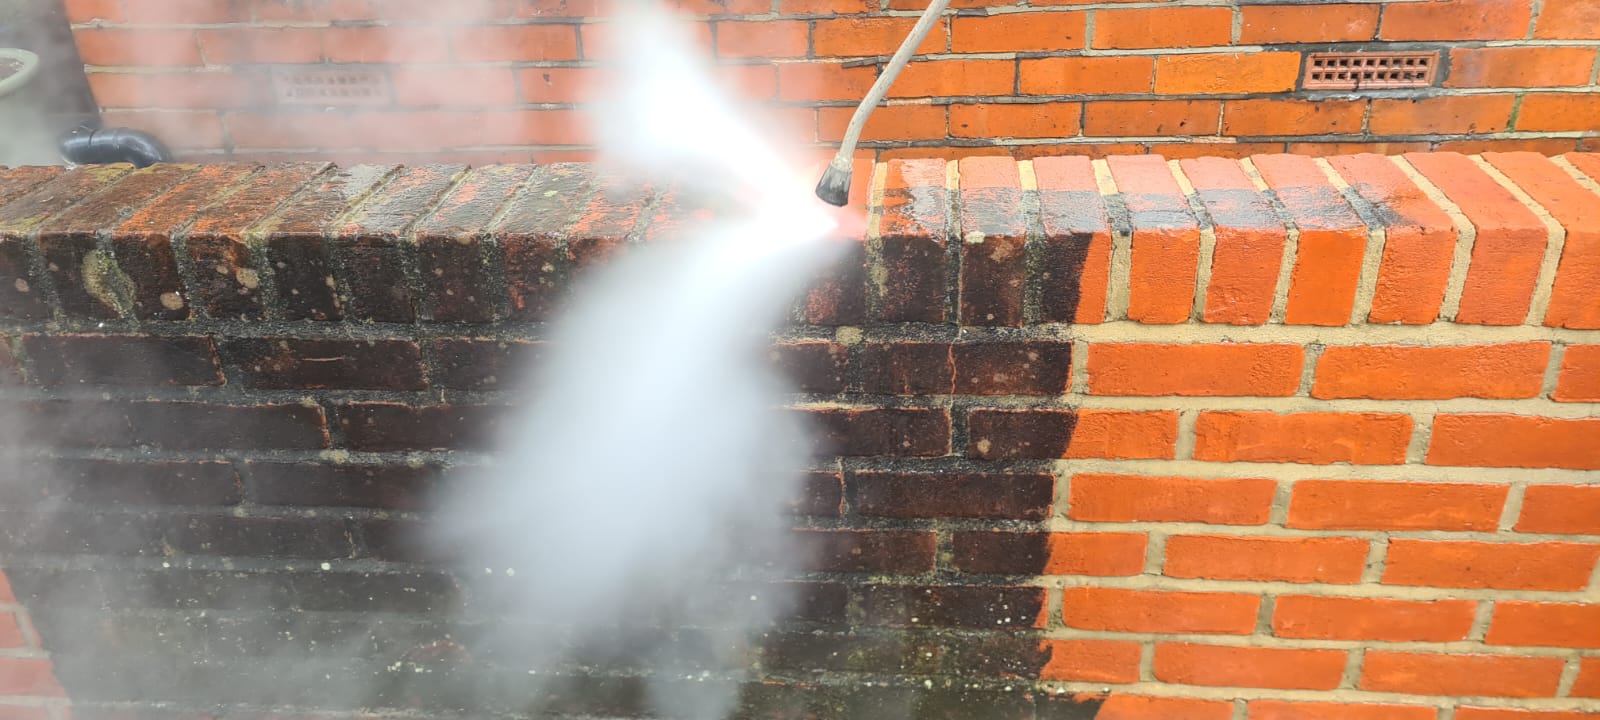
[[88, 146]]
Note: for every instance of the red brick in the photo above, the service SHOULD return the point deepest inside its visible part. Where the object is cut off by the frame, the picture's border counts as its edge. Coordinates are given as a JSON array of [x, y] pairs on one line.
[[892, 122], [1266, 559], [1575, 208], [1278, 668], [1588, 685], [1313, 617], [1442, 115], [515, 43], [1419, 240], [1569, 20], [1151, 117], [1472, 713], [325, 11], [1283, 710], [604, 40], [1134, 498], [1460, 674], [1268, 24], [1545, 624], [1332, 241], [94, 11], [1409, 505], [134, 48], [1541, 145], [1292, 117], [11, 631], [1492, 440], [1166, 240], [870, 36], [556, 85], [1116, 610], [1107, 661], [1163, 27], [1086, 75], [1510, 240], [770, 39], [1316, 438], [28, 676], [454, 86], [388, 44], [1400, 372], [24, 712], [1249, 242], [1076, 256], [823, 81], [1018, 32], [247, 45], [1501, 566], [183, 12], [1134, 707], [1520, 67], [825, 7], [1247, 369], [1457, 20], [1043, 120], [1226, 73], [1560, 509]]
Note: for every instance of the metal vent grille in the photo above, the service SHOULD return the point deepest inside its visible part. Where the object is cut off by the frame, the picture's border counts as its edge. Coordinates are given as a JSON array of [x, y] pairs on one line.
[[331, 87], [1362, 70]]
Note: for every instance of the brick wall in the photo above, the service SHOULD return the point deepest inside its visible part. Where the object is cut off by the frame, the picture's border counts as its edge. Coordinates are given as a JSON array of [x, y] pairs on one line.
[[1132, 438], [503, 80]]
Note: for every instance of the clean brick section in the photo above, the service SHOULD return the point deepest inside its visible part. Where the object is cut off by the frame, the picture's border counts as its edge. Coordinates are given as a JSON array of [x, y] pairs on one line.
[[1308, 439]]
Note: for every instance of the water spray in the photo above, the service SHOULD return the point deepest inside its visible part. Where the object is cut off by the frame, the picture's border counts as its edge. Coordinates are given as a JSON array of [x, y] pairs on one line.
[[834, 187]]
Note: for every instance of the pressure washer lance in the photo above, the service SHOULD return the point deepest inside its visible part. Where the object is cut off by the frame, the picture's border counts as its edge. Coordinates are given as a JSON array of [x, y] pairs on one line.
[[834, 187]]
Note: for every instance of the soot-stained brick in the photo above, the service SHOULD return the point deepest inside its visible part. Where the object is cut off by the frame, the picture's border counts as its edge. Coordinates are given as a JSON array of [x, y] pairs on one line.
[[143, 242], [23, 217], [532, 233], [966, 495], [79, 532], [606, 224], [907, 368], [320, 364], [914, 229], [457, 269], [200, 426], [820, 494], [874, 551], [1012, 368], [475, 364], [893, 652], [969, 606], [881, 431], [267, 537], [384, 487], [119, 483], [373, 250], [838, 293], [393, 426], [817, 367], [1075, 255], [19, 181], [1018, 434], [121, 360], [993, 231], [227, 267], [1017, 657]]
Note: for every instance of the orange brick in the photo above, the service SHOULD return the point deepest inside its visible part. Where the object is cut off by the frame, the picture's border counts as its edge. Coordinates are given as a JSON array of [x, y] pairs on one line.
[[1460, 674], [1479, 713], [1283, 710], [1457, 20], [1571, 625], [1316, 438], [1312, 617], [1116, 610], [1408, 505], [1086, 75], [244, 45], [1331, 245], [1134, 498], [181, 90], [1250, 239], [1018, 32], [603, 40], [454, 86], [1091, 661], [1576, 209], [1292, 117], [1588, 685], [558, 85], [133, 48], [1222, 73], [871, 36], [1543, 146], [1568, 20], [944, 78], [761, 39], [28, 677], [826, 7], [1151, 117], [1510, 240], [1500, 566], [1556, 112], [1121, 706], [1337, 561], [1278, 668], [1520, 67], [1419, 240], [1163, 27], [1268, 24], [1247, 369], [1324, 149], [1124, 434], [892, 122], [1560, 509], [1493, 440], [717, 7], [1444, 115], [1400, 372], [1166, 240], [823, 81], [404, 44]]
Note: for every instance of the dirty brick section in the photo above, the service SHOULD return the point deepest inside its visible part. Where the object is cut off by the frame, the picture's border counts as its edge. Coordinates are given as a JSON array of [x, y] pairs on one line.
[[1210, 439]]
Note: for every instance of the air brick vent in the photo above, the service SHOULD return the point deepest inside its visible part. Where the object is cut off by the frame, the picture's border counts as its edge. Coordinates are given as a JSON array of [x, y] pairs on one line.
[[331, 87], [1368, 70]]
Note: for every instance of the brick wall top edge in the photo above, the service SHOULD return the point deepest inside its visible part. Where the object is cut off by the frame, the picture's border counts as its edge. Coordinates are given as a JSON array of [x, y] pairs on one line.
[[566, 201]]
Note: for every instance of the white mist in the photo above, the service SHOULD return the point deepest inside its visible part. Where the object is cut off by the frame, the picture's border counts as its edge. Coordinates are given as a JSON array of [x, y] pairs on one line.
[[652, 461]]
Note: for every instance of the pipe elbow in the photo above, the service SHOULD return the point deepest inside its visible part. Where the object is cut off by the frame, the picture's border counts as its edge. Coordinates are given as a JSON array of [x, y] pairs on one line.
[[88, 146]]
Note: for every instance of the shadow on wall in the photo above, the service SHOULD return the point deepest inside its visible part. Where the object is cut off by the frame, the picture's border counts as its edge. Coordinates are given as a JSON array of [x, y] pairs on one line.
[[35, 111]]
